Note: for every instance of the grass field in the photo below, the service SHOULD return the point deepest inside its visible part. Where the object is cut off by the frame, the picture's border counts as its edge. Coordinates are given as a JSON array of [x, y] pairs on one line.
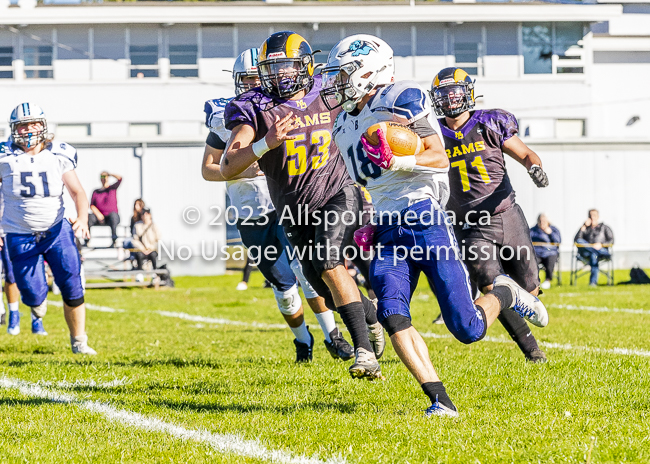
[[167, 387]]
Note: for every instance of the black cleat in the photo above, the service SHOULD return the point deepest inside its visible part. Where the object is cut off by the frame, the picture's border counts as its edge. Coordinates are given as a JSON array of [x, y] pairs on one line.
[[536, 356], [439, 319], [3, 318], [304, 352], [339, 348]]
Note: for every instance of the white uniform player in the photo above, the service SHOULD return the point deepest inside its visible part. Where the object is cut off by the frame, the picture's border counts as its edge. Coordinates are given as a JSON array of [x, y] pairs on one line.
[[409, 194], [260, 229], [33, 170]]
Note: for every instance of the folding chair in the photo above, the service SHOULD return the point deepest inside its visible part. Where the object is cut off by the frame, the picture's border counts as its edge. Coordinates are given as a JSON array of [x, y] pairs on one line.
[[580, 265], [540, 266]]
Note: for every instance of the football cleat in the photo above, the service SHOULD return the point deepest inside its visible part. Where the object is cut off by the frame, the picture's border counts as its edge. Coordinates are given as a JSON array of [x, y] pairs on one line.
[[377, 338], [536, 356], [3, 318], [14, 323], [339, 348], [439, 409], [365, 365], [242, 286], [37, 326], [439, 319], [526, 305], [304, 352], [80, 345]]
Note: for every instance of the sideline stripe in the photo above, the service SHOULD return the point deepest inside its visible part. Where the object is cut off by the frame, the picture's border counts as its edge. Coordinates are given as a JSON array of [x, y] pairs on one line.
[[600, 309], [213, 320], [559, 346], [222, 443], [84, 384], [92, 307]]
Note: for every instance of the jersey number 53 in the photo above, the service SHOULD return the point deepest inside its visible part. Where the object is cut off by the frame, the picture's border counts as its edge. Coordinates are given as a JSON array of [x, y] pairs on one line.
[[296, 151]]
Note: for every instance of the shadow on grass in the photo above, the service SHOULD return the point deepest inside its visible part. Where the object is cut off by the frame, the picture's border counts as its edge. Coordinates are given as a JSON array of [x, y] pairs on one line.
[[315, 406], [24, 402]]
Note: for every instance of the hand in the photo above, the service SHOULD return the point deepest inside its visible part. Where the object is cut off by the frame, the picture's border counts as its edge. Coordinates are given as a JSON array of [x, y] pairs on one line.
[[597, 246], [278, 133], [381, 154], [80, 228], [252, 171], [365, 237], [100, 217], [538, 175], [548, 230], [587, 223]]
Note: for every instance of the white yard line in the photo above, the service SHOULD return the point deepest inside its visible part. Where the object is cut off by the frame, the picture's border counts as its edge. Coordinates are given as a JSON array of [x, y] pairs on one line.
[[600, 309], [84, 384], [92, 307], [559, 346], [214, 320], [233, 444]]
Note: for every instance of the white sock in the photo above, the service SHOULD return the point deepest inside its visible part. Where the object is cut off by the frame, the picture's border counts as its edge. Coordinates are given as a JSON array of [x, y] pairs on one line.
[[327, 323], [14, 306], [302, 334]]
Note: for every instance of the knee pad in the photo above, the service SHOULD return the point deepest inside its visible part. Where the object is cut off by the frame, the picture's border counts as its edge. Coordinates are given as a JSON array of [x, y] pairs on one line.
[[289, 302], [74, 303], [307, 289], [40, 310], [396, 323]]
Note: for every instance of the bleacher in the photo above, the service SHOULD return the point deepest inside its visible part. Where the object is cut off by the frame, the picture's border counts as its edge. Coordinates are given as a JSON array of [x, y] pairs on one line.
[[111, 267]]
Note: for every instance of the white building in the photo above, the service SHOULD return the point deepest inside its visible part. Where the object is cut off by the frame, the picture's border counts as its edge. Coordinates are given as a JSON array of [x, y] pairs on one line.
[[114, 76]]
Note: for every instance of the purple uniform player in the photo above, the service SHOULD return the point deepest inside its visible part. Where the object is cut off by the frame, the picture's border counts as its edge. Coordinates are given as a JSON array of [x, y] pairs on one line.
[[285, 127], [490, 227]]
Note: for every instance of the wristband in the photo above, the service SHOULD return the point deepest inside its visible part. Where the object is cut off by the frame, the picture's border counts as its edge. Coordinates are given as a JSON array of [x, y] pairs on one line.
[[403, 163], [260, 147]]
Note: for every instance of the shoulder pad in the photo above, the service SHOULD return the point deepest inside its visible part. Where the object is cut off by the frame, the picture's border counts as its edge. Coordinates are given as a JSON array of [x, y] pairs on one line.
[[500, 121], [65, 150], [404, 99], [214, 117]]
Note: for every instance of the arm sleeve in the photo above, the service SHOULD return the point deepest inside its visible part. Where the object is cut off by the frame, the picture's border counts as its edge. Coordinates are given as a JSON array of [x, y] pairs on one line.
[[215, 141], [502, 123], [422, 127], [93, 201], [609, 235], [240, 111], [556, 237], [115, 185], [580, 235]]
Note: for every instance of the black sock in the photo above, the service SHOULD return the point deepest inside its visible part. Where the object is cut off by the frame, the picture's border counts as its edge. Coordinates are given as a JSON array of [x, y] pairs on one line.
[[437, 393], [504, 295], [369, 309], [352, 315], [519, 331]]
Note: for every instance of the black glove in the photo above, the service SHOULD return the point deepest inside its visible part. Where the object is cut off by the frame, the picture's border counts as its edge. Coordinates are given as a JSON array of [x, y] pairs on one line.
[[538, 175]]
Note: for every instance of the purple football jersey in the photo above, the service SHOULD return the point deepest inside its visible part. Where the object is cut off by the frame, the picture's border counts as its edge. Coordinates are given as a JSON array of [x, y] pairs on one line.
[[306, 171], [478, 179]]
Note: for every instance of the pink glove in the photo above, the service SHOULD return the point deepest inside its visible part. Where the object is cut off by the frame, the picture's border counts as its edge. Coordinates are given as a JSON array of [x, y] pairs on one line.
[[365, 237], [381, 154]]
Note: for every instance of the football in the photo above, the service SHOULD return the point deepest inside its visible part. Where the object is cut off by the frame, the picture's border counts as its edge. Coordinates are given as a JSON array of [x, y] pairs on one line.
[[402, 140]]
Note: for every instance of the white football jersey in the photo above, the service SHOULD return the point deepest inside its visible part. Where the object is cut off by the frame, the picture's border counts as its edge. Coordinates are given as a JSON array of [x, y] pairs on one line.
[[247, 195], [392, 191], [32, 186]]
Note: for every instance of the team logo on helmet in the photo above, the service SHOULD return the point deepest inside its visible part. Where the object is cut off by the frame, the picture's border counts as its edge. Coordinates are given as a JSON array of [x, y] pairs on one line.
[[358, 48]]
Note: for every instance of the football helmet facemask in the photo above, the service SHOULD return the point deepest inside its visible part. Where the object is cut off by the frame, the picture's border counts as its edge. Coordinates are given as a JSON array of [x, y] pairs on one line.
[[244, 71], [26, 113], [355, 66], [285, 64], [452, 92]]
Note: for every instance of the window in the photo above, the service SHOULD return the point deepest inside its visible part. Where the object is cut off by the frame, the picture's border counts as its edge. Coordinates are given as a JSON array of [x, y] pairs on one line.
[[183, 60], [467, 48], [72, 131], [144, 60], [569, 128], [144, 129], [38, 61], [6, 62], [324, 38], [552, 48], [467, 57]]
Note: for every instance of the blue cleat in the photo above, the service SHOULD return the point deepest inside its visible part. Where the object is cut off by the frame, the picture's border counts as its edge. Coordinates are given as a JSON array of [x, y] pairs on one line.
[[14, 323], [37, 326], [439, 409]]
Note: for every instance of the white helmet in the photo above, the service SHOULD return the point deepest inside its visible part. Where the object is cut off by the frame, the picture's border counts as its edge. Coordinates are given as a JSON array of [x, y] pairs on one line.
[[245, 66], [366, 62], [26, 113]]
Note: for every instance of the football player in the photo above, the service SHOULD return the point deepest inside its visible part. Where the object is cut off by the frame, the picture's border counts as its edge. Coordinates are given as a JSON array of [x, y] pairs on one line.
[[285, 128], [34, 168], [409, 194], [488, 220], [259, 227]]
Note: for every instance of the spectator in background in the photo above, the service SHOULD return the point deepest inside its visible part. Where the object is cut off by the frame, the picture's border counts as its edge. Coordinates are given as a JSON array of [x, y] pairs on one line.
[[594, 239], [547, 255], [138, 206], [145, 240], [103, 205]]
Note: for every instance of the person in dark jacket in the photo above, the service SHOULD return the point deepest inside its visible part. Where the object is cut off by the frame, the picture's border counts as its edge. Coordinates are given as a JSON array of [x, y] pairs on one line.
[[544, 232], [594, 240]]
